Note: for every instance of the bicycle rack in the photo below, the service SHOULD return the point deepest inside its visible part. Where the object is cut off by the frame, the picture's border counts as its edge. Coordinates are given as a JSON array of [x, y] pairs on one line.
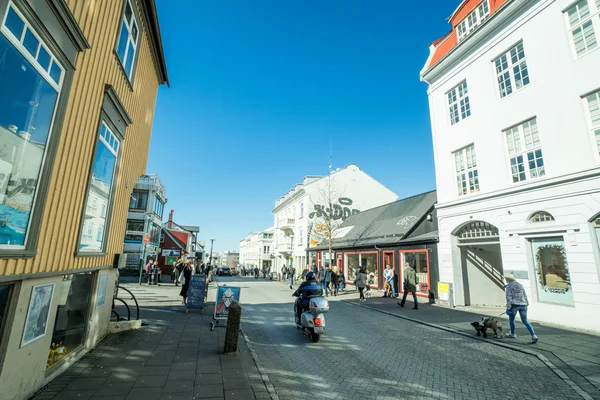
[[126, 305]]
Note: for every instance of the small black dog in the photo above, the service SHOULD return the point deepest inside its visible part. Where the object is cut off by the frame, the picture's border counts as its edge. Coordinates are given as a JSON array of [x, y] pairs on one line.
[[488, 323]]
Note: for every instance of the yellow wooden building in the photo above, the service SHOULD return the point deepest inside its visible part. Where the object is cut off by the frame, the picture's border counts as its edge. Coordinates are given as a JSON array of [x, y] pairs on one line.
[[78, 87]]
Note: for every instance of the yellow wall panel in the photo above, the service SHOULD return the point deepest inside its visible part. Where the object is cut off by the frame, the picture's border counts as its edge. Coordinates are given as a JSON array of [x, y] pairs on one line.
[[95, 67]]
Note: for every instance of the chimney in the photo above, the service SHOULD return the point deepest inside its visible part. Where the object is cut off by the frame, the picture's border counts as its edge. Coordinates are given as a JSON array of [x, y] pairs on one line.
[[170, 224]]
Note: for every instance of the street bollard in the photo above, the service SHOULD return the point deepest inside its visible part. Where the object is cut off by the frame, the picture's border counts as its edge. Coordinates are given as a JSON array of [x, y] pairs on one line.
[[233, 328]]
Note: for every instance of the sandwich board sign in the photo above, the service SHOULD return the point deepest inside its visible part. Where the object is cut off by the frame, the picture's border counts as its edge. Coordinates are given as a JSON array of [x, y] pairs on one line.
[[226, 296], [196, 292]]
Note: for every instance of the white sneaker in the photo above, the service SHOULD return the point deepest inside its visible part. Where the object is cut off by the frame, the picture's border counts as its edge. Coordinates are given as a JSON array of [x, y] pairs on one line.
[[511, 336]]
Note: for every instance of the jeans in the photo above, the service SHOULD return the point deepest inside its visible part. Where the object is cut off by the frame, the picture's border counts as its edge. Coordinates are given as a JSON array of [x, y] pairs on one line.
[[291, 280], [414, 298], [326, 287], [341, 286], [523, 313]]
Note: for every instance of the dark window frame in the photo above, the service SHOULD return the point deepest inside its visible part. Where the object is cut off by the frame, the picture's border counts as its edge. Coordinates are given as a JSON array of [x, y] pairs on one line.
[[65, 53], [145, 205]]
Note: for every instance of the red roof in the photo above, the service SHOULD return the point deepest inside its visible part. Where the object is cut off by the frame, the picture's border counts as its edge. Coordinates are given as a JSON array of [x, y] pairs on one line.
[[181, 236], [444, 45]]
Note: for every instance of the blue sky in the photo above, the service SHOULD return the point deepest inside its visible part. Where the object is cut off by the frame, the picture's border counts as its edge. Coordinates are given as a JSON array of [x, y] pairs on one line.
[[260, 88]]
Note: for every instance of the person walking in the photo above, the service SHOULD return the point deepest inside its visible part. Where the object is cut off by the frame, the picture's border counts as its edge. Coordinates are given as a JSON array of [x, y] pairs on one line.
[[158, 271], [335, 280], [186, 277], [361, 283], [327, 277], [292, 273], [342, 280], [147, 270], [410, 285], [517, 302], [321, 277]]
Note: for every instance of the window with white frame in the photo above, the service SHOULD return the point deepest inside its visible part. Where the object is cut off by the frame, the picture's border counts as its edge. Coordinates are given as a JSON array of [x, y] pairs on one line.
[[467, 176], [593, 109], [31, 80], [511, 70], [583, 26], [473, 20], [525, 151], [128, 39], [302, 206], [458, 103], [301, 238], [101, 186]]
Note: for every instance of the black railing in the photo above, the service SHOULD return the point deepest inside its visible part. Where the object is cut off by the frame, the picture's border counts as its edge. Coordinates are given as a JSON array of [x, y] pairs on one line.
[[137, 307]]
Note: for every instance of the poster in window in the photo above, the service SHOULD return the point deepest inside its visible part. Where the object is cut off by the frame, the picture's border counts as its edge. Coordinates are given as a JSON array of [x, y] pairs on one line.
[[101, 297], [36, 322], [552, 271]]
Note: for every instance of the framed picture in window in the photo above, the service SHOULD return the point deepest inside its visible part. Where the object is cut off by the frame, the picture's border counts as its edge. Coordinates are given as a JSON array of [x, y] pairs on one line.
[[36, 322]]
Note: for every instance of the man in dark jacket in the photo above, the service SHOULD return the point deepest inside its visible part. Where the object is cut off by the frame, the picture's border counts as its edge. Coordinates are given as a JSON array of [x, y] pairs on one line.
[[310, 287], [327, 280]]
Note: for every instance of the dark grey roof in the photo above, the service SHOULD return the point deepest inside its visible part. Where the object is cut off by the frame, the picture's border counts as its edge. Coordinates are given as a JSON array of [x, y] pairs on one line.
[[191, 228], [385, 224]]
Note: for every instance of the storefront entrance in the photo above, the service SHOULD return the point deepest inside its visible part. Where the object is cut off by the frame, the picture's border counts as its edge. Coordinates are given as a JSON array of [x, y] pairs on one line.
[[481, 264], [419, 260], [552, 271]]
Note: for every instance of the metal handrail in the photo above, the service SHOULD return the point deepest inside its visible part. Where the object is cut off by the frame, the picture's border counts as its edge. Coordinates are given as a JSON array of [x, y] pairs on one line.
[[137, 306]]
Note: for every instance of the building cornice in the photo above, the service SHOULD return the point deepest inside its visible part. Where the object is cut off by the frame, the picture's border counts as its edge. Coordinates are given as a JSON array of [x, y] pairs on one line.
[[289, 200]]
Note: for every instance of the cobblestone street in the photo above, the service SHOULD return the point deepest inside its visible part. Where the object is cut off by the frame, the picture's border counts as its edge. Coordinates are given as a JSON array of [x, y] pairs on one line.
[[369, 355]]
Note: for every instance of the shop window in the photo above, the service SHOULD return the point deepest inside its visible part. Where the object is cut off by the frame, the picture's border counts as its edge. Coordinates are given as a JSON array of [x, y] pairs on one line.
[[5, 291], [552, 271], [352, 266], [31, 81], [71, 317], [369, 263], [419, 261], [597, 230]]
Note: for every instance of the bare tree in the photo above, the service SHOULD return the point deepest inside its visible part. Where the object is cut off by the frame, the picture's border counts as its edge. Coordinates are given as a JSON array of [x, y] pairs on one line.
[[328, 214]]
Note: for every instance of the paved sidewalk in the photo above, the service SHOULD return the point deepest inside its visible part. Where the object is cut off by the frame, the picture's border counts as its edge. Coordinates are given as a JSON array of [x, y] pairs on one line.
[[175, 356], [577, 354]]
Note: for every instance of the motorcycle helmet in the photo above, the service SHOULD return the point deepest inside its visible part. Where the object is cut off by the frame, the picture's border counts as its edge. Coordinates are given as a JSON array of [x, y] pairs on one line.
[[310, 276]]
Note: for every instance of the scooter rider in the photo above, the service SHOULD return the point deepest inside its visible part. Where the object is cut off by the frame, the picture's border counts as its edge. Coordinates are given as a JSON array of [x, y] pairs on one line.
[[310, 287]]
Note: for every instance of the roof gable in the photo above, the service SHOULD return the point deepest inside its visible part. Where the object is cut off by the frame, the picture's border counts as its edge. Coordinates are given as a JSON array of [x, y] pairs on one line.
[[443, 46]]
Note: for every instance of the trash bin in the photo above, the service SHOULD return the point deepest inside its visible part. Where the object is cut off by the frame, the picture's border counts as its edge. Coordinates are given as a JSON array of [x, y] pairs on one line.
[[153, 277]]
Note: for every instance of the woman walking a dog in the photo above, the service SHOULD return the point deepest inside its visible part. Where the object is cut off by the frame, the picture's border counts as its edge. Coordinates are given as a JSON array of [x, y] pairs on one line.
[[516, 301]]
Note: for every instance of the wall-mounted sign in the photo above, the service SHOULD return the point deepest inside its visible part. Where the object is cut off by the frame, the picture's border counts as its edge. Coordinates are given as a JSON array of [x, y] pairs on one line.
[[101, 297], [171, 253], [38, 313]]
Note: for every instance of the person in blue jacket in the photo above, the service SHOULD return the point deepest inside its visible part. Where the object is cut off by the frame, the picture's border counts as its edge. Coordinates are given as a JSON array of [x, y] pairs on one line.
[[310, 287]]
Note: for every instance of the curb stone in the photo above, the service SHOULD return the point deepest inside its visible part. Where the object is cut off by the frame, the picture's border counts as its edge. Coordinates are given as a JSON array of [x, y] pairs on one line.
[[263, 374], [582, 393]]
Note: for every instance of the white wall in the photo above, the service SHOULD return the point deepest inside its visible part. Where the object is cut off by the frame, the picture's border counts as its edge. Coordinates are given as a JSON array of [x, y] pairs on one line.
[[558, 81], [351, 182]]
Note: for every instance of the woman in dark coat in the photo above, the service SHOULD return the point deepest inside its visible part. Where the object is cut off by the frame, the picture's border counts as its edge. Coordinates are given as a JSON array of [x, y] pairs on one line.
[[187, 274], [335, 281]]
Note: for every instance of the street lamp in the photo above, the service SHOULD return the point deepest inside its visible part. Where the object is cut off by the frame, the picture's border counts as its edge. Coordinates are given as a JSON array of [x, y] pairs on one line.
[[211, 248]]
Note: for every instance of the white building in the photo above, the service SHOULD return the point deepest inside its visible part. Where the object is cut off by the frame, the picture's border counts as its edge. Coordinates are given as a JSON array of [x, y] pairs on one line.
[[514, 94], [298, 213], [146, 208], [257, 250]]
